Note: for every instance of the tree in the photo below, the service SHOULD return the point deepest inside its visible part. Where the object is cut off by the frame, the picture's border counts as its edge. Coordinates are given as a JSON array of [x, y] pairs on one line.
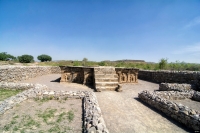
[[44, 57], [25, 58], [4, 56], [163, 63], [84, 61]]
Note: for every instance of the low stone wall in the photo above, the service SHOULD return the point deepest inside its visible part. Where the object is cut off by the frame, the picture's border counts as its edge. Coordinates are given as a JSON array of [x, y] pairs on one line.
[[19, 73], [31, 91], [175, 95], [189, 77], [179, 112], [196, 96], [175, 87], [93, 119]]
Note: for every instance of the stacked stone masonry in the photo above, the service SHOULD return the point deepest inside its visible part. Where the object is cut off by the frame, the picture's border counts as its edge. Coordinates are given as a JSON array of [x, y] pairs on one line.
[[189, 77], [101, 78], [175, 87], [179, 112], [19, 73], [93, 119]]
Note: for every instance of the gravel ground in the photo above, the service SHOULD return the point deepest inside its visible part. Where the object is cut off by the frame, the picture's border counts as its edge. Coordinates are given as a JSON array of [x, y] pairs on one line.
[[122, 111]]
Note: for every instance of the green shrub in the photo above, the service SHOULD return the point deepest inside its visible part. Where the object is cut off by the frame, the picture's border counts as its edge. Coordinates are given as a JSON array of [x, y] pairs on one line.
[[4, 56], [163, 63], [25, 58], [102, 63], [44, 57]]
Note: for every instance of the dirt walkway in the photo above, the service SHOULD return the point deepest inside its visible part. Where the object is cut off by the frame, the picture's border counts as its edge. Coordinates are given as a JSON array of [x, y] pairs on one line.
[[122, 111]]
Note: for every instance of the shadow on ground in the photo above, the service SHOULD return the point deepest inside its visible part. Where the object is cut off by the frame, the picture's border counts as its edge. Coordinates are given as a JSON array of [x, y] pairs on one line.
[[164, 115]]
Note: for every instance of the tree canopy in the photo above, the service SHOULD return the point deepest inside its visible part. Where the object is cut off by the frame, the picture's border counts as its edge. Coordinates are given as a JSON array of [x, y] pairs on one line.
[[44, 57], [4, 56], [25, 58]]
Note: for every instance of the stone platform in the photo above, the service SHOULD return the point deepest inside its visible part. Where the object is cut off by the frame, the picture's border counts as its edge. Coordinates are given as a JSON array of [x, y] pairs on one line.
[[101, 78]]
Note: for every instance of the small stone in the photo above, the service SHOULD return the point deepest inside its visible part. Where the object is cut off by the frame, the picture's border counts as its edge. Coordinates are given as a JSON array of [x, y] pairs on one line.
[[100, 127], [92, 130], [51, 93]]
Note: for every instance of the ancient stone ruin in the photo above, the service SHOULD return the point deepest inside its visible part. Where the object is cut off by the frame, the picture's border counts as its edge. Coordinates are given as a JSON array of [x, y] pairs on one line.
[[174, 85], [101, 78]]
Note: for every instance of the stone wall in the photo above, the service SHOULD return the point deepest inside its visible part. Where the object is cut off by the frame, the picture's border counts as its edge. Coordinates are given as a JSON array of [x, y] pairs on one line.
[[19, 73], [175, 87], [189, 77], [93, 119], [179, 112]]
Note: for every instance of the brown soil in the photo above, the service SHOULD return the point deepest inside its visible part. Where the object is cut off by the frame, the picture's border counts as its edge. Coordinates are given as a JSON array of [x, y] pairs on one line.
[[29, 117]]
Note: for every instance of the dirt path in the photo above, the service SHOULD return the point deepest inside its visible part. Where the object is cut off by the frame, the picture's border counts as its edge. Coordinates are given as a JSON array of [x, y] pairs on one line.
[[53, 82], [122, 111]]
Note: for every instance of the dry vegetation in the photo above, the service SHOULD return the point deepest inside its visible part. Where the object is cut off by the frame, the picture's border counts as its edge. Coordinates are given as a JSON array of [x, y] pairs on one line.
[[43, 116]]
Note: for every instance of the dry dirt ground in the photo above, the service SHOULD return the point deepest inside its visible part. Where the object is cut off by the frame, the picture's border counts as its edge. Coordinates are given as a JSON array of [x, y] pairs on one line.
[[43, 116], [122, 111]]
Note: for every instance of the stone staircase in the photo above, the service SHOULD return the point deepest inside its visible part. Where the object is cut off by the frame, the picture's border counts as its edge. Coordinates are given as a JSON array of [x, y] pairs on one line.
[[105, 78]]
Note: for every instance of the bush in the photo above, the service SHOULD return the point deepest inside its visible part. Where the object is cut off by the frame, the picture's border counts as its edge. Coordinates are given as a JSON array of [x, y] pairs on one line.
[[163, 63], [4, 56], [25, 58], [84, 61], [44, 57], [102, 63]]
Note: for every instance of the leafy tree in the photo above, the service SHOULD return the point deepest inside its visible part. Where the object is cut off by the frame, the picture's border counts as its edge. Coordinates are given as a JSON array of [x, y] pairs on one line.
[[25, 58], [84, 61], [4, 56], [44, 57], [163, 63]]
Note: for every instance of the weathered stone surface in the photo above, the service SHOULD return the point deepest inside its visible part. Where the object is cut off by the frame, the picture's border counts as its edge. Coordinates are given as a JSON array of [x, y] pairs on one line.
[[19, 73], [179, 112], [127, 75], [174, 87], [101, 78], [166, 76]]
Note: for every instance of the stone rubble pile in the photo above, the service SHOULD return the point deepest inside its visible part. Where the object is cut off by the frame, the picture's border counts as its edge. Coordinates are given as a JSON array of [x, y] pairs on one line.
[[196, 96], [94, 122], [93, 119], [19, 73], [175, 95], [175, 87], [178, 91], [179, 112]]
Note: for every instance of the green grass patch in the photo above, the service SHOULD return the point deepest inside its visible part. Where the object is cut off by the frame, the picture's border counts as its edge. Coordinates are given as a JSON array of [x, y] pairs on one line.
[[70, 116], [5, 93], [47, 114], [61, 117]]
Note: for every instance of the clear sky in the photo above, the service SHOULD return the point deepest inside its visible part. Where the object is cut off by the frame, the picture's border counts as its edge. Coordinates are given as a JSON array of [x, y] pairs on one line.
[[102, 29]]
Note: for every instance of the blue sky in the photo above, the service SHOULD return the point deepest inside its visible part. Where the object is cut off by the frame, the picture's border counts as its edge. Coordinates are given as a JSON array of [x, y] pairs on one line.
[[102, 29]]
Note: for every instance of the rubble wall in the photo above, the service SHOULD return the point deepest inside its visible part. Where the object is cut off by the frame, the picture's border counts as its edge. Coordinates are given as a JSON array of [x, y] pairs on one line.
[[183, 114], [165, 76], [19, 73]]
